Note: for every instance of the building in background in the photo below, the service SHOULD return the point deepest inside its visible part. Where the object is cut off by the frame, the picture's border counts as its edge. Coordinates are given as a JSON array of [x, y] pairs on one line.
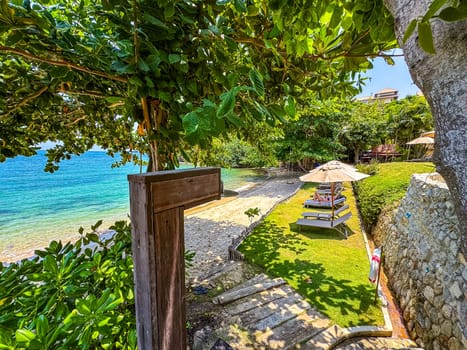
[[385, 96]]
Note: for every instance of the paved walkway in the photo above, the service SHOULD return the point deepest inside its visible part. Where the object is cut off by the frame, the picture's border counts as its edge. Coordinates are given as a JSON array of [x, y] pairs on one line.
[[265, 313], [210, 232]]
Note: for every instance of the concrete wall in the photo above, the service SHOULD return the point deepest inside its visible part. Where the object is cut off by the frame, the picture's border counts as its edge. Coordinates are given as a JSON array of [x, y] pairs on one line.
[[422, 261]]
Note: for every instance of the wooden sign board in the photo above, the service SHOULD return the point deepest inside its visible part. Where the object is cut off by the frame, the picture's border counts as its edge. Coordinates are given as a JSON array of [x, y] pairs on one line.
[[157, 202]]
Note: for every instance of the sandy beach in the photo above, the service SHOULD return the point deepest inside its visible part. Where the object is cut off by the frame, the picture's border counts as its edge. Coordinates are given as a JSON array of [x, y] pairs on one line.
[[209, 232]]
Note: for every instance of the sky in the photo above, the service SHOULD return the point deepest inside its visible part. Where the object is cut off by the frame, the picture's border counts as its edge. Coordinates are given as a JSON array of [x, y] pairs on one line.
[[385, 76]]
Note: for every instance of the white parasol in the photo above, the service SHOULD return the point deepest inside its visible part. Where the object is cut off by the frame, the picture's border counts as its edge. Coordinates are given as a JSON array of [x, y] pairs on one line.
[[333, 171]]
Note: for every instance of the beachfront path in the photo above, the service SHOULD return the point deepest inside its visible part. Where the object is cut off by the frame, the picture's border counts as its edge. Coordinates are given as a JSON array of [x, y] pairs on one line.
[[210, 232]]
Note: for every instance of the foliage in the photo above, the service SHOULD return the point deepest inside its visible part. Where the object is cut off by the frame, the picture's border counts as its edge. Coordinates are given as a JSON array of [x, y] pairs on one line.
[[407, 118], [329, 271], [71, 296], [446, 10], [385, 188], [236, 153], [252, 212], [365, 127], [162, 76], [314, 133]]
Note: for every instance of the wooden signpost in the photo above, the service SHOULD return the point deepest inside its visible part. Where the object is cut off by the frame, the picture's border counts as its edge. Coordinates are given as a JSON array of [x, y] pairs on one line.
[[157, 202]]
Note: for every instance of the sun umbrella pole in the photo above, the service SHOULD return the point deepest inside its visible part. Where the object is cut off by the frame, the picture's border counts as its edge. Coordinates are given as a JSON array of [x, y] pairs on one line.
[[332, 200]]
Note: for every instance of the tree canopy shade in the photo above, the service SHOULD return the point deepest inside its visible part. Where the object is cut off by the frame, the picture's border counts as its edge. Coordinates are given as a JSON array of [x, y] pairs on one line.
[[158, 76]]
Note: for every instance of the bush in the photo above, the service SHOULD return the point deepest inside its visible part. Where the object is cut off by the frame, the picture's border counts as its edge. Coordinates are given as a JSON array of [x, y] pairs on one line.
[[71, 296], [386, 187]]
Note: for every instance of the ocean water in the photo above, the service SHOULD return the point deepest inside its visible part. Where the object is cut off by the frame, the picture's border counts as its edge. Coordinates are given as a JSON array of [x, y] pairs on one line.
[[37, 207]]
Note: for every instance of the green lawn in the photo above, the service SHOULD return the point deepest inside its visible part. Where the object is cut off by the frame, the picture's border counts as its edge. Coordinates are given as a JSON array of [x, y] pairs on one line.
[[328, 270]]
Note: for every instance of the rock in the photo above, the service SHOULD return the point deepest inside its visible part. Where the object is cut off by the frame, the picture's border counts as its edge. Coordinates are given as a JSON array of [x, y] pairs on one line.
[[446, 328], [429, 294], [446, 311], [454, 344]]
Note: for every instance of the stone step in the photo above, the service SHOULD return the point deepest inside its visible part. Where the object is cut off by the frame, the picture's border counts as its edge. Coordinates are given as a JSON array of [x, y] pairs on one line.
[[294, 331], [274, 313], [231, 296], [259, 299], [261, 278]]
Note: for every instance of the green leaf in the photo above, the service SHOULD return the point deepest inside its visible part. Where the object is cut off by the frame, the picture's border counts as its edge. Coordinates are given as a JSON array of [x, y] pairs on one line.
[[83, 306], [452, 14], [143, 66], [153, 20], [425, 37], [50, 264], [24, 335], [256, 81], [190, 122], [42, 326], [434, 7], [410, 29], [227, 103], [240, 5], [174, 58], [169, 11], [113, 99], [289, 106], [278, 111]]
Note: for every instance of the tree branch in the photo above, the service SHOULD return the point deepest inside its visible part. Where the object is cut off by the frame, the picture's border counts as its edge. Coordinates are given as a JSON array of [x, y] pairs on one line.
[[258, 43], [61, 63], [26, 100]]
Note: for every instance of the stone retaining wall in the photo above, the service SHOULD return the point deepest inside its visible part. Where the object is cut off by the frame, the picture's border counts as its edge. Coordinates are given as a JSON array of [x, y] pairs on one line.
[[424, 267]]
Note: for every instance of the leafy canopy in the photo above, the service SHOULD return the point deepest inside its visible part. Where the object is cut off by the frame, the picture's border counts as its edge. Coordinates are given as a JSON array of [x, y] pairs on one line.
[[161, 76]]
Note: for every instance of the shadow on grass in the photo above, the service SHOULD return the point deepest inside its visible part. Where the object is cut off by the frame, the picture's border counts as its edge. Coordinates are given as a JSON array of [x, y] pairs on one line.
[[319, 232], [278, 251]]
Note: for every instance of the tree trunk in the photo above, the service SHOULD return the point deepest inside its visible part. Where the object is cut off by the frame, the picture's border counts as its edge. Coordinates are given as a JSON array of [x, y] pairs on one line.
[[356, 157], [443, 80]]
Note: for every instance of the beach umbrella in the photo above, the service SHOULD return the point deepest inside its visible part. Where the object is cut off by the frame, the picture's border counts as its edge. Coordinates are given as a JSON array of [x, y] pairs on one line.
[[333, 171], [423, 140]]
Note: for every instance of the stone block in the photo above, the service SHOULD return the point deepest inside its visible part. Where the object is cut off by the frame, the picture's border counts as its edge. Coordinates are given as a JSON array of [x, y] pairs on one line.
[[446, 311], [429, 294], [455, 291], [446, 328], [454, 344]]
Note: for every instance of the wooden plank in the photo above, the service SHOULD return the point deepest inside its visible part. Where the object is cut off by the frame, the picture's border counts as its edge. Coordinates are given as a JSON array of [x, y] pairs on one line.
[[144, 265], [187, 193], [183, 187], [170, 264]]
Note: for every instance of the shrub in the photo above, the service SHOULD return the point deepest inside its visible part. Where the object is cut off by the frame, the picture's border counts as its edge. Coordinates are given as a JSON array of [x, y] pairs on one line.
[[386, 187], [71, 296]]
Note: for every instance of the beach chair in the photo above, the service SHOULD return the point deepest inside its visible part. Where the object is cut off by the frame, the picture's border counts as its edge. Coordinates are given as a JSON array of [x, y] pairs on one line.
[[336, 224], [323, 203]]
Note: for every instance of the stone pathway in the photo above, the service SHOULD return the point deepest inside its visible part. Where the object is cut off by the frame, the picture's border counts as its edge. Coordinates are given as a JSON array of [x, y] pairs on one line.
[[265, 313], [210, 232]]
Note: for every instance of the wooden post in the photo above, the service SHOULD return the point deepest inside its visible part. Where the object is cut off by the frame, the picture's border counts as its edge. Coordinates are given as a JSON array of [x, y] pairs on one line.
[[157, 202]]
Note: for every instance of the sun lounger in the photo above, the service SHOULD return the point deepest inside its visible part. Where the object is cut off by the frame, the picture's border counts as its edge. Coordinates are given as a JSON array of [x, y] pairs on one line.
[[325, 204], [336, 224], [324, 215]]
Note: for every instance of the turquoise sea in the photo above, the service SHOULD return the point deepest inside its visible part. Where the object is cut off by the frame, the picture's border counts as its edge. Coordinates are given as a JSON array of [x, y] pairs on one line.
[[36, 207]]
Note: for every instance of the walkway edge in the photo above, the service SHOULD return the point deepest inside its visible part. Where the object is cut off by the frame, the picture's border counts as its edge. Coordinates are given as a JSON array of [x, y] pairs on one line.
[[335, 335]]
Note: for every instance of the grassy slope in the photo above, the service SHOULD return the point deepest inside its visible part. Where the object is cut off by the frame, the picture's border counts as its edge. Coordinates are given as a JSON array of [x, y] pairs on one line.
[[337, 268], [386, 187]]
